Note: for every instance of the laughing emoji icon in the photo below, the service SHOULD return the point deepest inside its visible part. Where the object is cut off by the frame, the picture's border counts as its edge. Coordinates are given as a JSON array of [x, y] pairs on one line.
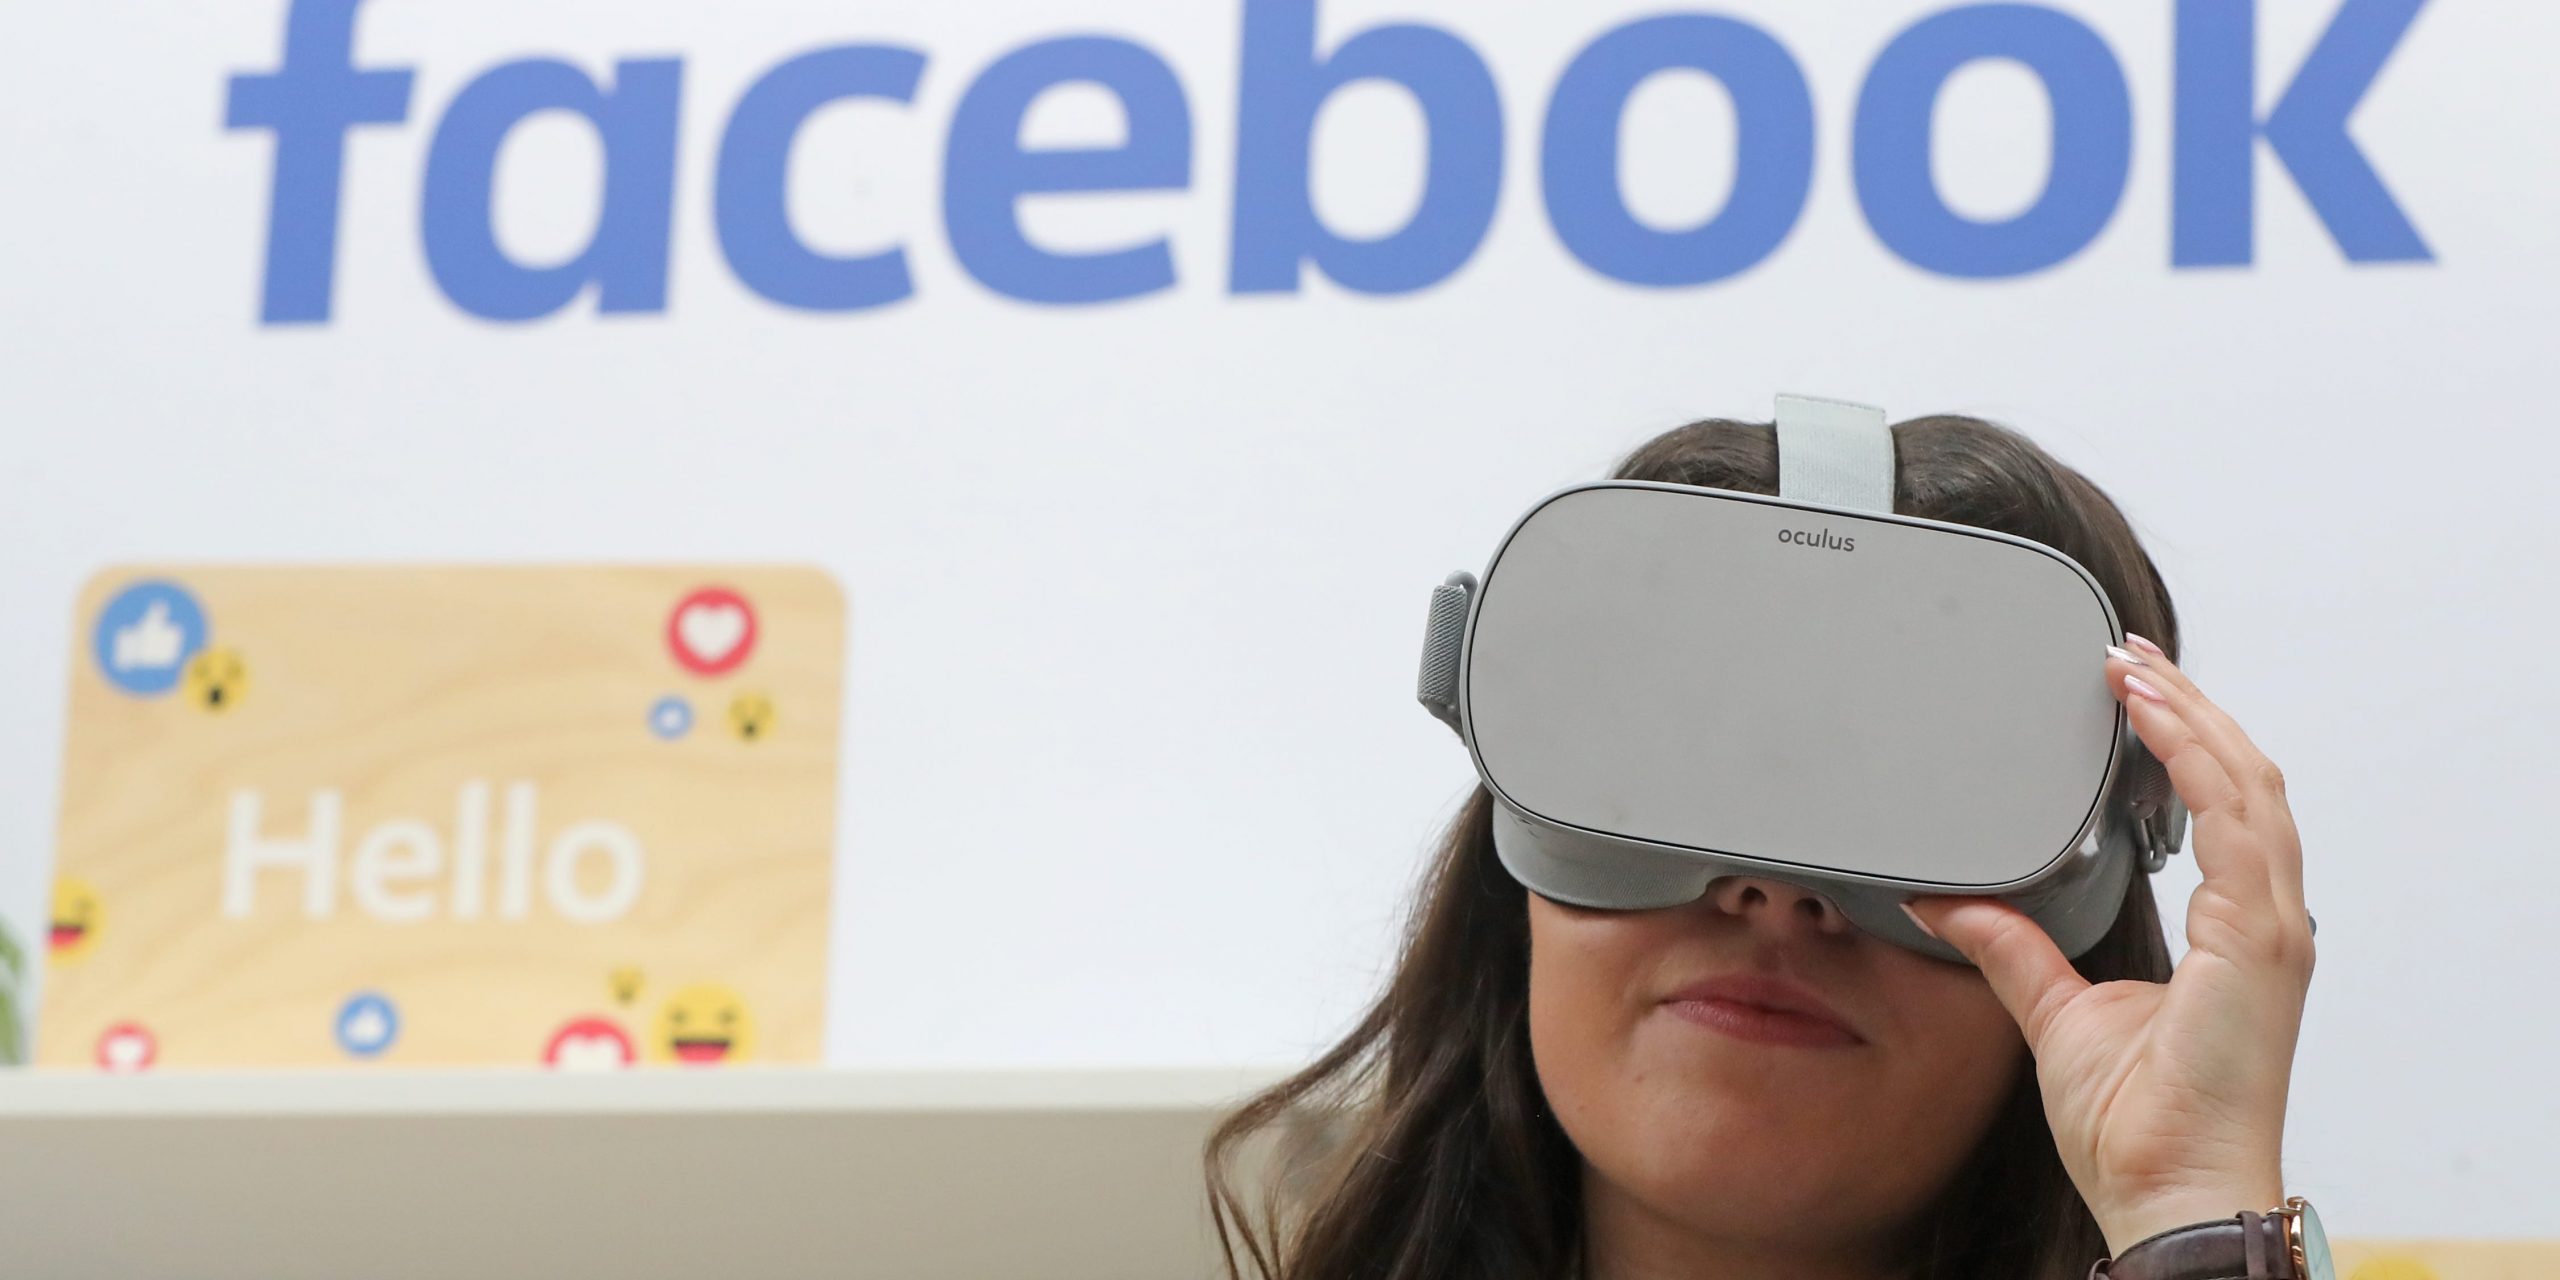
[[76, 917], [703, 1026]]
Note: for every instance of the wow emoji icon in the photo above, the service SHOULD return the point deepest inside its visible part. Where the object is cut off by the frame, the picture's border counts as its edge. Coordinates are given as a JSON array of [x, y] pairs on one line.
[[215, 679], [704, 1025], [76, 918], [751, 715]]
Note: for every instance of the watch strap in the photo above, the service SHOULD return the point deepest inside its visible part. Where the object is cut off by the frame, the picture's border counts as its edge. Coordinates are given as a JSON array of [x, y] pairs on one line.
[[2245, 1246]]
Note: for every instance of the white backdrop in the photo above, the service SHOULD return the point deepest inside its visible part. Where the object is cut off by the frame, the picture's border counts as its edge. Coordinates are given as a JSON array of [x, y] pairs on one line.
[[1132, 770]]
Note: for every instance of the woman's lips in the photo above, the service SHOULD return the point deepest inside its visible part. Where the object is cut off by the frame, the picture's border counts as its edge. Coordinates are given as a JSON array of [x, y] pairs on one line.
[[1762, 1009]]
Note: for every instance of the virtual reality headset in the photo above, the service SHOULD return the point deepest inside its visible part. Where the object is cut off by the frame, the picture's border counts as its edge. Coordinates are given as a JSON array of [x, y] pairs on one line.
[[1663, 685]]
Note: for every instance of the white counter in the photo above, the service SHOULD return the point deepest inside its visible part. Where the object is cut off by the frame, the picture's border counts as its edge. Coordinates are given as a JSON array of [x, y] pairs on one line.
[[772, 1172]]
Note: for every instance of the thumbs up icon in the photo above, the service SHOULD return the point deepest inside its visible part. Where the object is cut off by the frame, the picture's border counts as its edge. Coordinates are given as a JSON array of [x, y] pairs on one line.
[[146, 634], [152, 642]]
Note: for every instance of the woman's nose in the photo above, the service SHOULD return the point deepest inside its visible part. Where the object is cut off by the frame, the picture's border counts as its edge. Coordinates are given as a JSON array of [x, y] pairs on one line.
[[1776, 904]]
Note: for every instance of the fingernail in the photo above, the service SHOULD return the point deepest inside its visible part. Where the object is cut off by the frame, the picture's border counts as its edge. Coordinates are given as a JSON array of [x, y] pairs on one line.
[[1923, 924], [2135, 683], [2144, 645], [2114, 651]]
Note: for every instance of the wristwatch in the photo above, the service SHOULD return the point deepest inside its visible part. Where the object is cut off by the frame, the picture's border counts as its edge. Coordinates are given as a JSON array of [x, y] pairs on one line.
[[2284, 1243]]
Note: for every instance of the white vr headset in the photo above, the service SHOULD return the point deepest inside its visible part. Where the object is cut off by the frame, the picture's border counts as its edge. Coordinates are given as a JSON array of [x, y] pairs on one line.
[[1664, 684]]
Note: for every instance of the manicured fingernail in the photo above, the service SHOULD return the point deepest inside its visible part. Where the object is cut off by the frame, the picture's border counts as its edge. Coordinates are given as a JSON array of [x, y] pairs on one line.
[[2144, 645], [2135, 684], [1923, 924], [2114, 651]]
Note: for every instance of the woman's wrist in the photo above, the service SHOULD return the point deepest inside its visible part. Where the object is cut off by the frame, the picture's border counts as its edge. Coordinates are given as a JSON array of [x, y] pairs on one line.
[[2168, 1211]]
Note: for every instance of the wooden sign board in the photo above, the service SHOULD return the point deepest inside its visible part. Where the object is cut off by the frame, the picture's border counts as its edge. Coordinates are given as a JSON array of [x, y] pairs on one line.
[[581, 816]]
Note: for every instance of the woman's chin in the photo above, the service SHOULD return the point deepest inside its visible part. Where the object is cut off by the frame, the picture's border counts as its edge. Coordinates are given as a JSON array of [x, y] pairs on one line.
[[1749, 1136], [1747, 1191]]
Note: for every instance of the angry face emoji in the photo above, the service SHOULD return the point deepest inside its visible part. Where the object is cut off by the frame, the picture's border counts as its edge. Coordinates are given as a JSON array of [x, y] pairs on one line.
[[76, 917], [215, 679], [751, 716], [704, 1025]]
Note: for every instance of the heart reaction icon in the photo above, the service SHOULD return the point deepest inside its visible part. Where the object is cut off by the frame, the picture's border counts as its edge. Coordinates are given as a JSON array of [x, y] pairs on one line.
[[127, 1046], [711, 631], [589, 1044]]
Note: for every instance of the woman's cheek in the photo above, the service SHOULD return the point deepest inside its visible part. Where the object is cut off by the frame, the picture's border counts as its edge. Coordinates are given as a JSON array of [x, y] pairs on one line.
[[1579, 977], [1960, 1055]]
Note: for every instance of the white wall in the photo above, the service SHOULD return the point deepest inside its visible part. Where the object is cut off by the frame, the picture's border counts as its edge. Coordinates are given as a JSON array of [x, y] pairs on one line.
[[1132, 771]]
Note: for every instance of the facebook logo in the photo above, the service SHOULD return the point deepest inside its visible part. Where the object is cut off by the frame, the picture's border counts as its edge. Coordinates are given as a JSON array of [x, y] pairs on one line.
[[316, 96]]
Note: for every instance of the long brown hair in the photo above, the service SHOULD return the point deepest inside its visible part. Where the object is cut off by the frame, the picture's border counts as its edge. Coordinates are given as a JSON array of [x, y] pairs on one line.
[[1421, 1147]]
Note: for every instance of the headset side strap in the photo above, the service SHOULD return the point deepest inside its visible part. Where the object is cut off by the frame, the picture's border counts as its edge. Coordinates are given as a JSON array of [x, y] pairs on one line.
[[1444, 637]]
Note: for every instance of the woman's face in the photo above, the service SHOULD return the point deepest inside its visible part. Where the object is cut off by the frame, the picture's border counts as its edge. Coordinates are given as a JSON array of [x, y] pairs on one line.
[[1701, 1110]]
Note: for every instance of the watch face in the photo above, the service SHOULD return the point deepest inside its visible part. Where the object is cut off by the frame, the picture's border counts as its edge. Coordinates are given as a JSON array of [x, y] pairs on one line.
[[2315, 1247]]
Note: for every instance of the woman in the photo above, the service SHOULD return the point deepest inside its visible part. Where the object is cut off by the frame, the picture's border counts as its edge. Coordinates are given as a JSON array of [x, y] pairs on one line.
[[1531, 1096]]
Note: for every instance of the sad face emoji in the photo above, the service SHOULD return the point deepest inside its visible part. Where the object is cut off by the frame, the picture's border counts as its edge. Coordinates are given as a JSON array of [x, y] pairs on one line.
[[76, 917], [702, 1026], [215, 679]]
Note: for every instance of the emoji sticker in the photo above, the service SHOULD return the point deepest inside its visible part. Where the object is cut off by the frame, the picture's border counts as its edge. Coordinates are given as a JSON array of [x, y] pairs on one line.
[[704, 1025], [367, 1024], [751, 716], [146, 634], [624, 982], [711, 631], [127, 1046], [215, 679], [671, 717], [589, 1044], [76, 919]]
